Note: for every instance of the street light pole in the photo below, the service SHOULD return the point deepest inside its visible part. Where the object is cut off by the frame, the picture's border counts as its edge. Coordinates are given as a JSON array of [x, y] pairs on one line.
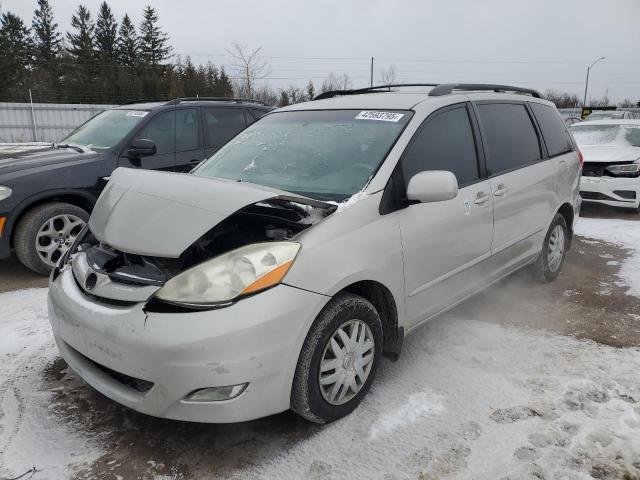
[[586, 83]]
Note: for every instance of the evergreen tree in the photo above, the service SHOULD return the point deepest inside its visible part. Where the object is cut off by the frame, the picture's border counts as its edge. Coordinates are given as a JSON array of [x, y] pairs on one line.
[[225, 88], [82, 42], [80, 52], [16, 48], [154, 47], [127, 43], [46, 37], [106, 35], [311, 91]]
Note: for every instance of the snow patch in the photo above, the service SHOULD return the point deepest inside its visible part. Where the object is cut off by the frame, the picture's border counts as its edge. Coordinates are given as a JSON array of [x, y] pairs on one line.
[[349, 202], [30, 435]]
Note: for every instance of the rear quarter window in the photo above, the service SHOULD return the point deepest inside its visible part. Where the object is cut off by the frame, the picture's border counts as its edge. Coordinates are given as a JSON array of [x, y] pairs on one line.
[[554, 131], [509, 136]]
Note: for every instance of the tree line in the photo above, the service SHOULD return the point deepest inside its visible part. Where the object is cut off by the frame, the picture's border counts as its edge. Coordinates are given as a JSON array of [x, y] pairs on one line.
[[98, 61], [102, 61]]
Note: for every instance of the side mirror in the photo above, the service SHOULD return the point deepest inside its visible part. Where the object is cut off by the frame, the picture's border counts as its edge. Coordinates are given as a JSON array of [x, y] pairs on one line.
[[141, 147], [432, 186]]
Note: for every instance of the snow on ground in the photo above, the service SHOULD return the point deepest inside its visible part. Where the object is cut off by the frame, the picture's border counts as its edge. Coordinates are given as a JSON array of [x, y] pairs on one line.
[[468, 399], [473, 400], [29, 434], [624, 233]]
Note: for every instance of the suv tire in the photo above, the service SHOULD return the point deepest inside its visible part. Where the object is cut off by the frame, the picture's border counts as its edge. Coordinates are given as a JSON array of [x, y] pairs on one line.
[[34, 222], [346, 312], [554, 248]]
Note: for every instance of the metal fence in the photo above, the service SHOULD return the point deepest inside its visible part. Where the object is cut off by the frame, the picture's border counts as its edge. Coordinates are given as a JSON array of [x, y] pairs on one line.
[[577, 111], [43, 122], [50, 122]]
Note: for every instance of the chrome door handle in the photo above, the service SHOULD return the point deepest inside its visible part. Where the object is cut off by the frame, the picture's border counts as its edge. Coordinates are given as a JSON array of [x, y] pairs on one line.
[[502, 189], [482, 198]]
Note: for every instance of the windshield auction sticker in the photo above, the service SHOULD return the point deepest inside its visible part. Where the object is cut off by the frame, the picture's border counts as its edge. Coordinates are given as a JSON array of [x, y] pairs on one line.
[[380, 116], [136, 113]]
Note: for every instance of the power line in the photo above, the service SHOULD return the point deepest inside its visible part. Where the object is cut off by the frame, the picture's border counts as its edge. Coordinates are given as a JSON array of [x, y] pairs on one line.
[[399, 59]]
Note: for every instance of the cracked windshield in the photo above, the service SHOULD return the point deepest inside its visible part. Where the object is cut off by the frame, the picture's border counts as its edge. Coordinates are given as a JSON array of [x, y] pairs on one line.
[[327, 155]]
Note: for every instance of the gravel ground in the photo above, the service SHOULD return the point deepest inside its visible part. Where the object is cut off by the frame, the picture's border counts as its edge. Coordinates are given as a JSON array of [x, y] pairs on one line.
[[522, 381]]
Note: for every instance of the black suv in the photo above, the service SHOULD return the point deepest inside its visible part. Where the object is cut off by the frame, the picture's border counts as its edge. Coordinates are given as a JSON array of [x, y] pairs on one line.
[[46, 196]]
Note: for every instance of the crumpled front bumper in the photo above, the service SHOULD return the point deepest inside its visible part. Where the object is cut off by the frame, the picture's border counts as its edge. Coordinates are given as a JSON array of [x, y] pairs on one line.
[[256, 340]]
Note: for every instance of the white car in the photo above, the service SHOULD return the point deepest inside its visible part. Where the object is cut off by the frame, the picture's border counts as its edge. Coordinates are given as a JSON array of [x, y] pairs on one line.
[[611, 171], [611, 115]]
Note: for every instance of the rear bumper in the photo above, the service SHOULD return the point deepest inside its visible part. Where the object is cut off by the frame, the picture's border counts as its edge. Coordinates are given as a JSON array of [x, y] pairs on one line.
[[614, 191]]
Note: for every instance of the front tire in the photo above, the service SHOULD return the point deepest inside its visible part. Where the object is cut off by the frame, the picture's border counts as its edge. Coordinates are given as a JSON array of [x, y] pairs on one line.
[[45, 232], [339, 359], [554, 249]]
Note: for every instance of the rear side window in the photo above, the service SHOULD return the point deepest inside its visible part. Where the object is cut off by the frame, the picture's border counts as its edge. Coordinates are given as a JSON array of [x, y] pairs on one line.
[[258, 113], [553, 129], [186, 129], [221, 125], [509, 136], [444, 142]]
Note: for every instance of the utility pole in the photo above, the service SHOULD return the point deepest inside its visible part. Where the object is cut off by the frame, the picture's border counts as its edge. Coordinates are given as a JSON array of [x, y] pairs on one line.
[[586, 83], [371, 72]]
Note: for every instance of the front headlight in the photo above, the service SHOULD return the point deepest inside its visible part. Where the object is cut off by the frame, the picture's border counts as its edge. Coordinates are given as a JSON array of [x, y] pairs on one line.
[[5, 192], [222, 279], [626, 170]]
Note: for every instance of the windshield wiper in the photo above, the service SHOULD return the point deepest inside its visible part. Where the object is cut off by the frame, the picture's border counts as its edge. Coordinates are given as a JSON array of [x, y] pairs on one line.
[[77, 148]]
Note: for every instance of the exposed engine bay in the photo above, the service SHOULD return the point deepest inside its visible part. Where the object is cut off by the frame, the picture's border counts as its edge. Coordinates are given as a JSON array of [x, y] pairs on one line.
[[275, 219]]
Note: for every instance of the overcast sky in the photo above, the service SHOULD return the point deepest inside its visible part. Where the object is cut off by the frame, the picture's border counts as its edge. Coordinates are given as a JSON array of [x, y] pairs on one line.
[[537, 43]]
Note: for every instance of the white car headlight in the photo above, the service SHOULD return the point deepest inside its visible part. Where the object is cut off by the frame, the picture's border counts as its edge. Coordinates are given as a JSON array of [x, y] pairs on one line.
[[5, 192], [222, 279], [627, 169]]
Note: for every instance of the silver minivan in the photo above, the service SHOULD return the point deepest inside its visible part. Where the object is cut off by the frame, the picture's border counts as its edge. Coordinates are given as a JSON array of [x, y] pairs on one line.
[[278, 272]]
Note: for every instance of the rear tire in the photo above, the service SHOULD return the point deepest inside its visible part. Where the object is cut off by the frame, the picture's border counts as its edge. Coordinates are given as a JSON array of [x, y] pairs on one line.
[[45, 232], [554, 248], [313, 395]]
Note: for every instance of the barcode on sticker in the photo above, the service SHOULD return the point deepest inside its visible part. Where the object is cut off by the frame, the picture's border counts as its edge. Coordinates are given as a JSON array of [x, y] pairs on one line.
[[381, 116], [136, 113]]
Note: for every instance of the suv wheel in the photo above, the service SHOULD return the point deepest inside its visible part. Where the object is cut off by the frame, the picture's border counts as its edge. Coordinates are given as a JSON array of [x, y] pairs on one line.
[[45, 233], [338, 360], [554, 249]]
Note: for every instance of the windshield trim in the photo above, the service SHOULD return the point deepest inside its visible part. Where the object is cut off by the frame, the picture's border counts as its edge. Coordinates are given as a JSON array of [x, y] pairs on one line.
[[374, 172]]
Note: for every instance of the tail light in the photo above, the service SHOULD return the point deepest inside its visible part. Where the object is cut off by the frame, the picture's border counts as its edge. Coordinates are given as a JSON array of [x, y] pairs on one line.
[[580, 157]]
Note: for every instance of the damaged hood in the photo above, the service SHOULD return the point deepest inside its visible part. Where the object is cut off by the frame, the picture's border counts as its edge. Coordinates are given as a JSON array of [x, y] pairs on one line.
[[161, 214]]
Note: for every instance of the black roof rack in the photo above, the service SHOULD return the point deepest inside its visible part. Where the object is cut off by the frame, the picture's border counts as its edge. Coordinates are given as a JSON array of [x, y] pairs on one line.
[[155, 100], [448, 88], [176, 101], [437, 90], [358, 91]]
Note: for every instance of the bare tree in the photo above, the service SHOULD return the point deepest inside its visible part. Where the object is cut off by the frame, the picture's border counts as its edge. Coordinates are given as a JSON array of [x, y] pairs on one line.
[[627, 103], [603, 101], [562, 99], [336, 82], [388, 75], [248, 66], [295, 94]]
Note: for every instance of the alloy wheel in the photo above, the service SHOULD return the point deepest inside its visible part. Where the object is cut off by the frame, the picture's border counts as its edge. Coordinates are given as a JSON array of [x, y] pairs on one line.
[[56, 236]]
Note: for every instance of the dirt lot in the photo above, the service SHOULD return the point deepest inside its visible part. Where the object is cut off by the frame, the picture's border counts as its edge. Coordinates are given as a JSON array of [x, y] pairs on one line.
[[586, 302]]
